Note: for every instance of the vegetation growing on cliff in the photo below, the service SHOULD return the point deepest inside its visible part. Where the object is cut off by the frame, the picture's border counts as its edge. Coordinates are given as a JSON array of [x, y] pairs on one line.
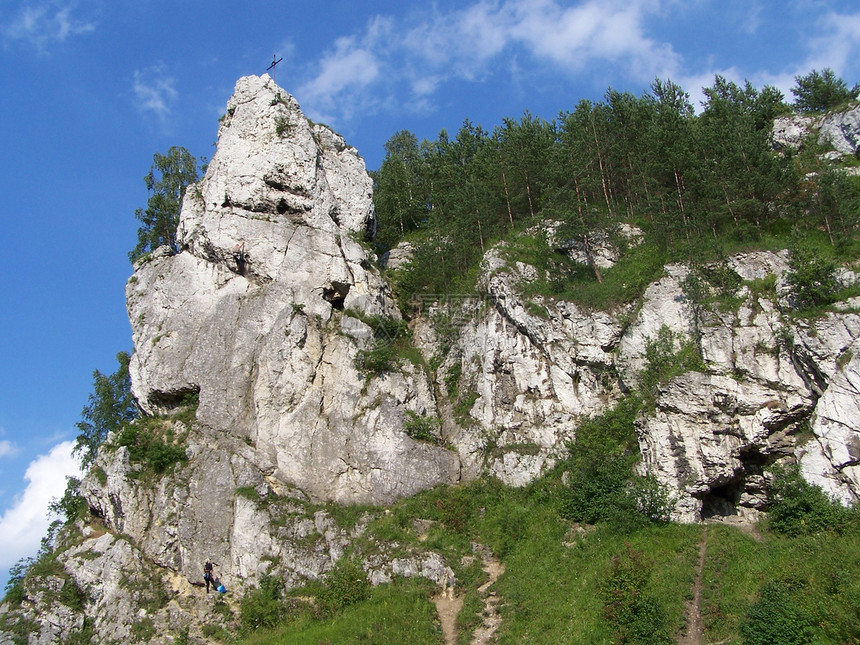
[[570, 582], [588, 551], [699, 186]]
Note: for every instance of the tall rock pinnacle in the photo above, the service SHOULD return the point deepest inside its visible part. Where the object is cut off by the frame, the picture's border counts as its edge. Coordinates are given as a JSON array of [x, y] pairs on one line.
[[254, 312]]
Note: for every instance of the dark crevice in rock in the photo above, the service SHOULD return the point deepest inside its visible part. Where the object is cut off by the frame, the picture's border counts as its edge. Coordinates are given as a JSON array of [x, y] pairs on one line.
[[525, 331], [173, 399], [370, 228], [808, 370], [278, 184], [336, 294], [721, 501]]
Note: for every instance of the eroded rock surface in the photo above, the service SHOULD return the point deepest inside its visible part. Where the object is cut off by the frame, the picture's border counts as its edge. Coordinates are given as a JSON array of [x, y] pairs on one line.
[[253, 313], [259, 320]]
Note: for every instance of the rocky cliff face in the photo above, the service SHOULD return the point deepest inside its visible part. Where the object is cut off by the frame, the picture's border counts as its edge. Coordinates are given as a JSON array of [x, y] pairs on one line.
[[268, 338], [261, 317]]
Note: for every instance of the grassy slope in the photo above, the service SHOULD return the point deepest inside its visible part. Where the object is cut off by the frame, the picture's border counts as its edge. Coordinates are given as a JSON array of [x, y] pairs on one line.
[[560, 578]]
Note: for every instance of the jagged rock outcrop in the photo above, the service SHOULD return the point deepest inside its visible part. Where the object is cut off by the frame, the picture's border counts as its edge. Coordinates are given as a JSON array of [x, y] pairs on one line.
[[263, 331], [840, 130], [259, 319], [256, 327], [533, 368]]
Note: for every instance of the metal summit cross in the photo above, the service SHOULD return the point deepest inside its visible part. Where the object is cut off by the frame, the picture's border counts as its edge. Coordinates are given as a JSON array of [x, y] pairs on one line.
[[274, 64]]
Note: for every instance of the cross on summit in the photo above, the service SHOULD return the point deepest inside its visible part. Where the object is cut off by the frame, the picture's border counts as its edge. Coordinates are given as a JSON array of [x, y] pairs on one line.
[[274, 64]]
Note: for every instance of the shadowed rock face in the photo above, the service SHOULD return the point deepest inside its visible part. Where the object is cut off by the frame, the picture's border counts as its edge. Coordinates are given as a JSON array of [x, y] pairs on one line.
[[249, 313]]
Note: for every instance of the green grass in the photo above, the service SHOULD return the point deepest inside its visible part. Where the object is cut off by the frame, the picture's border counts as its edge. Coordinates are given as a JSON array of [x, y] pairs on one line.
[[400, 612], [817, 576], [550, 590], [600, 585]]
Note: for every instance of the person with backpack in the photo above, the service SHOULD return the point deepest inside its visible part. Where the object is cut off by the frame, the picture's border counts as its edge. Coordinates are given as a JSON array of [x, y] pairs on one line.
[[209, 575]]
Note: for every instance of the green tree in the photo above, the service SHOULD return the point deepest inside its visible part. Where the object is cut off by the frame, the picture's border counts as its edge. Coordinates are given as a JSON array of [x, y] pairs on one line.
[[399, 193], [166, 181], [110, 406], [820, 91], [671, 159], [740, 177], [812, 278]]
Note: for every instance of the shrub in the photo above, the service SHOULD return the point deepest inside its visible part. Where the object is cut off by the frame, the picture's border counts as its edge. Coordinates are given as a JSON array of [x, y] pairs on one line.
[[597, 485], [389, 336], [775, 619], [636, 615], [799, 508], [602, 485], [346, 584], [377, 360], [100, 475], [145, 446], [812, 279], [463, 407], [72, 596], [15, 593], [421, 428], [248, 492], [72, 505], [143, 630], [262, 607], [283, 126], [664, 363]]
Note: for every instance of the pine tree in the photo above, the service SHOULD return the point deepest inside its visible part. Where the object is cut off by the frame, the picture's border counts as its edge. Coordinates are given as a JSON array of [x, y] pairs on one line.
[[167, 180], [110, 406]]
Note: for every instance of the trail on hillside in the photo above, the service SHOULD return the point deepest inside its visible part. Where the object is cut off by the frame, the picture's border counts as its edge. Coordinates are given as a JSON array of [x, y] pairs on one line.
[[694, 632], [448, 603], [448, 606], [491, 616]]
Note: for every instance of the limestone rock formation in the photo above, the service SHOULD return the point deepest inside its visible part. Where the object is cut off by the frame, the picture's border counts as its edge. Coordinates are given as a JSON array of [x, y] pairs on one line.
[[248, 344], [257, 314], [840, 130]]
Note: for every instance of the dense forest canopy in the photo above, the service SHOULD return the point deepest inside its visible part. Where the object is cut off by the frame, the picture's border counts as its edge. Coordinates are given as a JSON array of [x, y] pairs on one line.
[[695, 183]]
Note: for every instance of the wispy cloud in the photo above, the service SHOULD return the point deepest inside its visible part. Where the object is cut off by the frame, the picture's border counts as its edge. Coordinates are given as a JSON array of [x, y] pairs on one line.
[[836, 40], [406, 62], [154, 92], [46, 23], [23, 526], [7, 448]]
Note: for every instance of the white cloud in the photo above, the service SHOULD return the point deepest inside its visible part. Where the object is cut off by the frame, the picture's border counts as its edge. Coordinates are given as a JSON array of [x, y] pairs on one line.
[[23, 526], [350, 67], [418, 54], [45, 23], [154, 92], [7, 448], [833, 41], [837, 41]]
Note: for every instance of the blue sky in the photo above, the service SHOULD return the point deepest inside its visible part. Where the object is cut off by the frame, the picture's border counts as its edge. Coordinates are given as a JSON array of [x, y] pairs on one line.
[[92, 88]]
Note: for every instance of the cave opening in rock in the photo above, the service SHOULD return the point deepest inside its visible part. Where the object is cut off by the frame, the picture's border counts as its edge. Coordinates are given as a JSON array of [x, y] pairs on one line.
[[169, 401], [336, 294], [721, 501]]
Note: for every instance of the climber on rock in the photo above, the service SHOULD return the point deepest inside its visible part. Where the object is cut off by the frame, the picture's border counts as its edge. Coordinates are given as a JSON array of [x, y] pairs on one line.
[[239, 257], [209, 575]]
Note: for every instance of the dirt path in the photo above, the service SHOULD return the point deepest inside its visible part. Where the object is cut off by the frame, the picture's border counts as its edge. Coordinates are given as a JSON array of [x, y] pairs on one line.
[[695, 631], [491, 616], [448, 604]]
